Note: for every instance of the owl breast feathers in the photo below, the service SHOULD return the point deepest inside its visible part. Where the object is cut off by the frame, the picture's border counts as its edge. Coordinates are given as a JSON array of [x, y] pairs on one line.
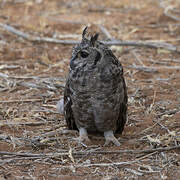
[[95, 96]]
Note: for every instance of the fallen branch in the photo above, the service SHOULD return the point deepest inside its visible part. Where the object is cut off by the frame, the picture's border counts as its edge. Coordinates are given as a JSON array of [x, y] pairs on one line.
[[153, 69], [2, 75], [66, 153], [75, 165], [115, 163], [142, 68], [35, 38], [6, 67], [106, 164], [136, 151], [32, 38], [22, 124], [37, 86], [3, 153], [28, 100]]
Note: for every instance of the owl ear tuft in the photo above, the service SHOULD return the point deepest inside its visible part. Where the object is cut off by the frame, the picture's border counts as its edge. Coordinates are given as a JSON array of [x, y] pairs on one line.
[[84, 32], [94, 39]]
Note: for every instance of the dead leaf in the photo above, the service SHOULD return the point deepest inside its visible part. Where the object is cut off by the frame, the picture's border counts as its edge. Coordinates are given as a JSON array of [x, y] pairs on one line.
[[154, 140], [162, 51], [70, 155]]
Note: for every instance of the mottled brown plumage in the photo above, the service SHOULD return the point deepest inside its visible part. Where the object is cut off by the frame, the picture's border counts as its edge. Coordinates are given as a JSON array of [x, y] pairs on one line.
[[95, 96]]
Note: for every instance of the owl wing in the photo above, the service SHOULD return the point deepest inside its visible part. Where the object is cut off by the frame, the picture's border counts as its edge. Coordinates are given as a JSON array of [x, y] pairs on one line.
[[122, 111], [68, 113], [121, 121]]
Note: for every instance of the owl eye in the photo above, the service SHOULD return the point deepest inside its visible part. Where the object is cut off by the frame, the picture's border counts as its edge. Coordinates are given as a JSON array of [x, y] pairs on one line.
[[84, 54]]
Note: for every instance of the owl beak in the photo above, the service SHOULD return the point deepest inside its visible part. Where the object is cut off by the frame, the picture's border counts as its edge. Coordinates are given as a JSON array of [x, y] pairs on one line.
[[72, 65]]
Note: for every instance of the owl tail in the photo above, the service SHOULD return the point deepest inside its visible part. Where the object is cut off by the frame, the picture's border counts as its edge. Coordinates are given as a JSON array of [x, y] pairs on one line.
[[60, 106]]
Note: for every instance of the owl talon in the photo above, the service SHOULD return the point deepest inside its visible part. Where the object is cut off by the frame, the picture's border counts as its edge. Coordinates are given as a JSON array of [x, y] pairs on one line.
[[83, 136], [83, 139], [109, 136]]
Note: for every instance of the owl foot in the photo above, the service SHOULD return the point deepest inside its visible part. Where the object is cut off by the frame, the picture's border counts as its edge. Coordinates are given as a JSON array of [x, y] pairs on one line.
[[83, 136], [109, 136]]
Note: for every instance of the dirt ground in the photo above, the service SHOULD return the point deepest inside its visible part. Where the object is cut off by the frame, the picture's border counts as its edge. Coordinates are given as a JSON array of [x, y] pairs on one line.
[[34, 141]]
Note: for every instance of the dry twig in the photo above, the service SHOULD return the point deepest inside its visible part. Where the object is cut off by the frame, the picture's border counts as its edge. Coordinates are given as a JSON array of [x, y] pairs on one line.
[[105, 32], [166, 12], [133, 171]]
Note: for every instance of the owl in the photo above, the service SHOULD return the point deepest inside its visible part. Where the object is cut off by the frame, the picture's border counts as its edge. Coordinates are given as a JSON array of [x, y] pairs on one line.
[[95, 96]]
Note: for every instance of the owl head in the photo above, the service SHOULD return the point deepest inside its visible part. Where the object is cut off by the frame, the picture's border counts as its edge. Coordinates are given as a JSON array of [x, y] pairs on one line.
[[87, 53]]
